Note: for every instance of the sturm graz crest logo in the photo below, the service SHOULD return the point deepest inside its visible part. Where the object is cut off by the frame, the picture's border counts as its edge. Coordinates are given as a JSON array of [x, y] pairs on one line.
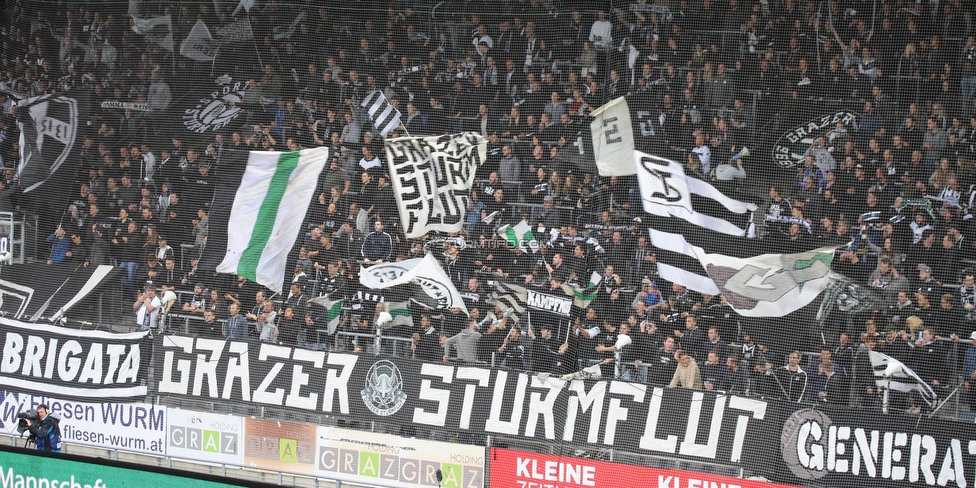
[[56, 124], [383, 394], [439, 292], [801, 430], [792, 146], [216, 110]]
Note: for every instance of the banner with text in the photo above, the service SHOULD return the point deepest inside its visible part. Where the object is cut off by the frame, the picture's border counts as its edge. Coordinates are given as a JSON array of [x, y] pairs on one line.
[[75, 363], [515, 469], [848, 447], [136, 427], [207, 437], [280, 446], [630, 416], [374, 458]]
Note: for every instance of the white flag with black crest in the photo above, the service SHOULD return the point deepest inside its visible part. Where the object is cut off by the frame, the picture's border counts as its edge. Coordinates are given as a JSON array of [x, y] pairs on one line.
[[385, 116], [432, 179]]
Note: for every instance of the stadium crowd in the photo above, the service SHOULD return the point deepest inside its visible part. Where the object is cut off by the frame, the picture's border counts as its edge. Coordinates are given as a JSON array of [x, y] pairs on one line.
[[896, 179]]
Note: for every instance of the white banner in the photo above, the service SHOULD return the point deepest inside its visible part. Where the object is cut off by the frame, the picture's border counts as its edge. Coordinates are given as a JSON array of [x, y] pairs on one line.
[[388, 460], [425, 272], [136, 427], [432, 178], [207, 437], [613, 139], [199, 45]]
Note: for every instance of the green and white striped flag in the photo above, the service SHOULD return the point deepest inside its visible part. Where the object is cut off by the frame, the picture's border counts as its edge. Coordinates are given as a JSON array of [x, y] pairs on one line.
[[333, 311], [400, 311], [520, 235], [583, 296], [267, 214]]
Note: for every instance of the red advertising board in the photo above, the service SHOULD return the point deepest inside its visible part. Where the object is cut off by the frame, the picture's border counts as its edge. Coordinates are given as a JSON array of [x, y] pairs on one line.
[[516, 469]]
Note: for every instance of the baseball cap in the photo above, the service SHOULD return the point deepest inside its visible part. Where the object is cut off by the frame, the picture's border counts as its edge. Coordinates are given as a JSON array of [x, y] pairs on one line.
[[638, 219], [646, 281], [548, 198], [924, 269]]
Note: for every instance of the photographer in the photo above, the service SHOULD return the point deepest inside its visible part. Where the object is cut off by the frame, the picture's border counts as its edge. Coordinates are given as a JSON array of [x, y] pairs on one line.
[[44, 430]]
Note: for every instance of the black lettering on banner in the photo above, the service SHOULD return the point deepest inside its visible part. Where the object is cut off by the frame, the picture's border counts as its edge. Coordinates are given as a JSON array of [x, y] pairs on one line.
[[613, 131], [659, 168], [432, 177], [76, 364]]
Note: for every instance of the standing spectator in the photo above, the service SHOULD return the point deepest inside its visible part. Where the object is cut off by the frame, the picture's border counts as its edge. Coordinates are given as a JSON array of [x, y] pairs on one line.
[[465, 343], [236, 323], [791, 378], [377, 246], [147, 308], [686, 375], [267, 325], [59, 246]]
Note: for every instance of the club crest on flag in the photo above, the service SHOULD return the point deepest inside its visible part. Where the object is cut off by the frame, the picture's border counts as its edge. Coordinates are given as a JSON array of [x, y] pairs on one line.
[[217, 109], [666, 182], [746, 287], [49, 135]]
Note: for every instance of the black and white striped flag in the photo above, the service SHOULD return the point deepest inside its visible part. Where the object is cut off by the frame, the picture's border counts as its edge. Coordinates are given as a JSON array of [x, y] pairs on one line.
[[667, 192], [892, 374], [702, 240], [384, 116]]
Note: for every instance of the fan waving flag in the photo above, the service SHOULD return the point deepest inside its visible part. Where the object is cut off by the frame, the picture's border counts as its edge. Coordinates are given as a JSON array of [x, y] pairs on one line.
[[520, 235], [892, 374], [199, 45], [385, 117], [333, 311], [268, 209]]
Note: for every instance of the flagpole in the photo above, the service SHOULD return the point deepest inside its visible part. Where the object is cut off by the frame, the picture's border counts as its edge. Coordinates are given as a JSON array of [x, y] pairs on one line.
[[257, 51], [214, 62]]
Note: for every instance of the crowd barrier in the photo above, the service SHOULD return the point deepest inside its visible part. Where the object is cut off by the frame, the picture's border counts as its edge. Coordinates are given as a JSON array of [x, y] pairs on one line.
[[302, 400]]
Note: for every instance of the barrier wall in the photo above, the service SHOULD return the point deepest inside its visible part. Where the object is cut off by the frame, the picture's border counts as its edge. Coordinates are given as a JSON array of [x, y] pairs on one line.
[[784, 442]]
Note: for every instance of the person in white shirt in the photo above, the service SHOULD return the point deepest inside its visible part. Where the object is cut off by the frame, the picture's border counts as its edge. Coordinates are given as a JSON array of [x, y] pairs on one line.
[[147, 308], [600, 31], [267, 326], [704, 159]]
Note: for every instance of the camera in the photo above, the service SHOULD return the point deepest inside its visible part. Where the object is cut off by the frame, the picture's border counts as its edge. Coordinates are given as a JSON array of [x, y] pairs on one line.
[[23, 417]]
